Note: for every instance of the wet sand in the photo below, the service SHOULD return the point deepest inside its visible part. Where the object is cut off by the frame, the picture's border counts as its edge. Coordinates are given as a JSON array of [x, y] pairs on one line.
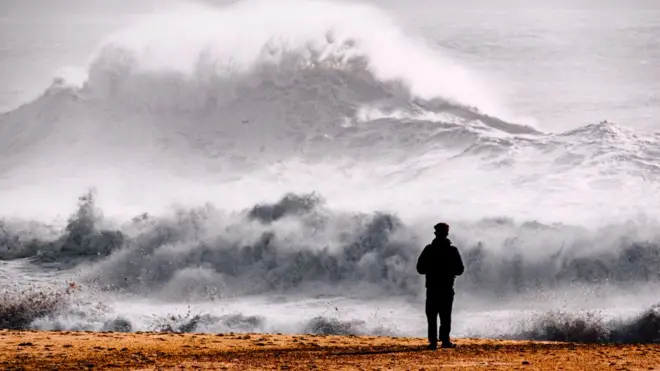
[[39, 350]]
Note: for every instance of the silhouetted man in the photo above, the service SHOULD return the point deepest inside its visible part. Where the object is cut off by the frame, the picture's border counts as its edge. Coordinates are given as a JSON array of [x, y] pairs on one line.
[[441, 263]]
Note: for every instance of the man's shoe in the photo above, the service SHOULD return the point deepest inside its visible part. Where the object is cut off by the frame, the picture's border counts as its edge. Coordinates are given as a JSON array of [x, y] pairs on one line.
[[432, 347], [448, 345]]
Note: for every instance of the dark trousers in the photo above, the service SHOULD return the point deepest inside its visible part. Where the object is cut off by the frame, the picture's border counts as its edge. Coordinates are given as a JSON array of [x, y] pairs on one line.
[[439, 303]]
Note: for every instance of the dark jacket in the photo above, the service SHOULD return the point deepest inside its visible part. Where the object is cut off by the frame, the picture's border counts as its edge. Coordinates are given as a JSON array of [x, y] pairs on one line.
[[441, 263]]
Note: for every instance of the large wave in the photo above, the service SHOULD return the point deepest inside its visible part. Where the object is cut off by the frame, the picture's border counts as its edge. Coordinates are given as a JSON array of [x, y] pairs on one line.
[[202, 96], [247, 83], [299, 244], [239, 92], [259, 44]]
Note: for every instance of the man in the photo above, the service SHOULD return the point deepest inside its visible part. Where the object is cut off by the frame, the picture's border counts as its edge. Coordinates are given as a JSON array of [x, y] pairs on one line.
[[441, 263]]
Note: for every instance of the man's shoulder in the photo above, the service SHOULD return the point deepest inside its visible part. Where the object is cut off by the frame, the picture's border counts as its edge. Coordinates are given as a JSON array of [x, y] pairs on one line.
[[428, 249], [455, 251]]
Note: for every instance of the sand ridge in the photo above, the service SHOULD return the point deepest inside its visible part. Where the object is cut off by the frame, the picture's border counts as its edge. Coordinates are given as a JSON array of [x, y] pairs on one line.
[[43, 350]]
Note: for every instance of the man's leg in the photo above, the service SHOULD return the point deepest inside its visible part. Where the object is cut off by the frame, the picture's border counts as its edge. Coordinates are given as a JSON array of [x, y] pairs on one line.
[[432, 318], [446, 303]]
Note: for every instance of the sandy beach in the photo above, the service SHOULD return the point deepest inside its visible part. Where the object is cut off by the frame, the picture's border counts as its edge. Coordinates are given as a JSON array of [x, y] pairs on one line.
[[38, 350]]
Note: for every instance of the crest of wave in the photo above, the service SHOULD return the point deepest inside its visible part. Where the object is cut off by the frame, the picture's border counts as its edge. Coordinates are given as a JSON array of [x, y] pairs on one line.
[[182, 57]]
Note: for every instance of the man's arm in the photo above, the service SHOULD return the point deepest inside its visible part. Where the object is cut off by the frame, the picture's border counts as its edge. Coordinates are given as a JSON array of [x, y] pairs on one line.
[[459, 268], [422, 262]]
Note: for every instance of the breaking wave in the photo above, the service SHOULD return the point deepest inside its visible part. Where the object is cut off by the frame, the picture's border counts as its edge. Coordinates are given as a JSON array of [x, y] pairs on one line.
[[343, 53], [344, 92], [331, 83], [592, 327], [195, 322], [22, 304], [299, 243]]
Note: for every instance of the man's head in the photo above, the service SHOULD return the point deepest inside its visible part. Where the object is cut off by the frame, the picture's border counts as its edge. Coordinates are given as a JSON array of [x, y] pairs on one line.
[[441, 230]]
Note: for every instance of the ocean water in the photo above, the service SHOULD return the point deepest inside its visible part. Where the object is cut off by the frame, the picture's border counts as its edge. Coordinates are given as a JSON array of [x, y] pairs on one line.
[[262, 166]]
